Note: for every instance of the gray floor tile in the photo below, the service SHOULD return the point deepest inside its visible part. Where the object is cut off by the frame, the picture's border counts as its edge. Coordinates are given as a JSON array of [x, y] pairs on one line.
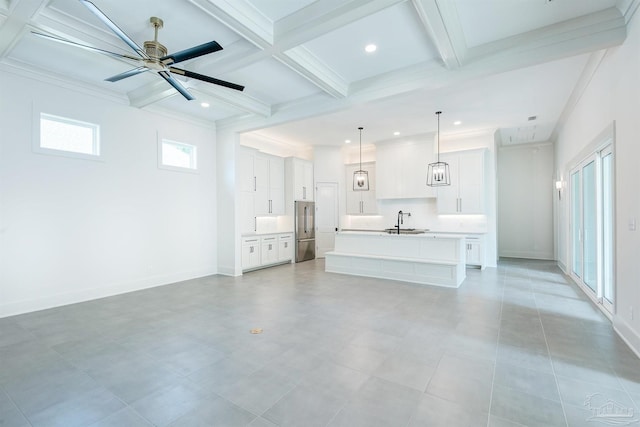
[[464, 381], [305, 406], [213, 413], [406, 370], [9, 413], [335, 379], [351, 351], [125, 417], [169, 403], [576, 393], [259, 391], [435, 412], [378, 403], [526, 380], [523, 408]]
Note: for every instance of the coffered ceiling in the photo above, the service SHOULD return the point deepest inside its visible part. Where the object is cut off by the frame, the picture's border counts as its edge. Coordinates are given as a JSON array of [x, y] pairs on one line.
[[491, 64]]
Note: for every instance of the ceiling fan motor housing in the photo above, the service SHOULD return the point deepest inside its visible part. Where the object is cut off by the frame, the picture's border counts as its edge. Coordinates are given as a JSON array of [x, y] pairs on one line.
[[155, 49]]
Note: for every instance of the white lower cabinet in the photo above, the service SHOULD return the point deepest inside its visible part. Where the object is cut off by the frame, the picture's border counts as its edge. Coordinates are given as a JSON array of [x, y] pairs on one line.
[[266, 250], [285, 247], [251, 252], [269, 248], [474, 254]]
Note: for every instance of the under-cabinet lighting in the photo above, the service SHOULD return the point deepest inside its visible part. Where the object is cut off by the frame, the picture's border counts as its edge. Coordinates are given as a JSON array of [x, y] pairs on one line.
[[370, 48]]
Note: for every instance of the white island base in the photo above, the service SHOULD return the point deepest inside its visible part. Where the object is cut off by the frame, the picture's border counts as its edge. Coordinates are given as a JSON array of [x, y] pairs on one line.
[[429, 259]]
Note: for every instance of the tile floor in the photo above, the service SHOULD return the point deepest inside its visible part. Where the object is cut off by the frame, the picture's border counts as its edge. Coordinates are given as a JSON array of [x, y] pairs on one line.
[[513, 346]]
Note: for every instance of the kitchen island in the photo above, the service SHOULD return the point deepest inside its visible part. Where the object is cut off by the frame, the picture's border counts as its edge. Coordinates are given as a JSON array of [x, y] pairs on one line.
[[427, 258]]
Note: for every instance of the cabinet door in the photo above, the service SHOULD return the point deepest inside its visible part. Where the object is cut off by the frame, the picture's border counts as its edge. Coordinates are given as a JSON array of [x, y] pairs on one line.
[[448, 202], [415, 159], [471, 175], [369, 203], [245, 170], [261, 172], [250, 253], [269, 253], [388, 172], [473, 252], [354, 198], [246, 214], [276, 185], [307, 190], [285, 248]]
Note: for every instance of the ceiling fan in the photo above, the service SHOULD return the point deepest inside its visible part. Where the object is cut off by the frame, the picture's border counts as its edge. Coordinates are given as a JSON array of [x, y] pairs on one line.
[[154, 57]]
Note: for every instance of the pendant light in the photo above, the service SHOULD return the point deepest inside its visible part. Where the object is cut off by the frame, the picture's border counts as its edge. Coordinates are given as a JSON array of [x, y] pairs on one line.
[[361, 177], [438, 172]]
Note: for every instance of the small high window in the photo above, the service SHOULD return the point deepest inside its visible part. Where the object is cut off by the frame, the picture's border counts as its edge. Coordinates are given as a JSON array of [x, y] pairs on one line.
[[68, 136], [178, 155]]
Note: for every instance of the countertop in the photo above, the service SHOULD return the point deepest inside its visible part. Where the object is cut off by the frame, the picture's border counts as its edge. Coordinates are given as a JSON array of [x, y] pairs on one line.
[[426, 231]]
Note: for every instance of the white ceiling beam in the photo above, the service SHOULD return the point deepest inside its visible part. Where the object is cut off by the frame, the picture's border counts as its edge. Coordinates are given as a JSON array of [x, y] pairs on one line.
[[441, 22], [240, 17], [309, 66], [160, 90], [321, 17], [150, 93], [584, 34], [20, 14], [235, 99]]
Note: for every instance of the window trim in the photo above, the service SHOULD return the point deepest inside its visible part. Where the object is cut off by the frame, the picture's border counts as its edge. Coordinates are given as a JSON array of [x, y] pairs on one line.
[[162, 165], [37, 137]]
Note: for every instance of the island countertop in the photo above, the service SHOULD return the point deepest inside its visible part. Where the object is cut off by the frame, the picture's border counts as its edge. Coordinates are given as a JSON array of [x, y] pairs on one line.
[[428, 258]]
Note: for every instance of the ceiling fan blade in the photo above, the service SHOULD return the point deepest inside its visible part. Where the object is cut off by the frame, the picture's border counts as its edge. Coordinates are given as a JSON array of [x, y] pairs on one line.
[[191, 53], [84, 46], [126, 74], [176, 84], [109, 23], [204, 78]]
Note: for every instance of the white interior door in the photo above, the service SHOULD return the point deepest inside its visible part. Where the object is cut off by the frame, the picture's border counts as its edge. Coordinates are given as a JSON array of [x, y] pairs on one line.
[[326, 217]]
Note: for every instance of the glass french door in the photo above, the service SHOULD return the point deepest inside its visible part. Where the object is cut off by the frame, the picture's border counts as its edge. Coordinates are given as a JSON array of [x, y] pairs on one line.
[[592, 226]]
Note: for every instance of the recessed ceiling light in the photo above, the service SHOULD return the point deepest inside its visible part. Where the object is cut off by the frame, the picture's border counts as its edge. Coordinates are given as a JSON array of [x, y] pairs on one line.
[[457, 122], [370, 48], [347, 141], [396, 133], [204, 104]]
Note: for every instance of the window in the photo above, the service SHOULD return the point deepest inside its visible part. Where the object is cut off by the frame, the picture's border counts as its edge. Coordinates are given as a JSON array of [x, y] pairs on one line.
[[59, 135], [177, 155]]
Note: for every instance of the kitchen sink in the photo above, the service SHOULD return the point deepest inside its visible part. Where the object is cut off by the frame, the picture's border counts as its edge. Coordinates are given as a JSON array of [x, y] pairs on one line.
[[405, 231]]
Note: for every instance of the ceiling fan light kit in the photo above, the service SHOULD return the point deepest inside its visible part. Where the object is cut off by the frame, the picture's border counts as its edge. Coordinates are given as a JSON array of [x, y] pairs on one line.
[[154, 57], [438, 172]]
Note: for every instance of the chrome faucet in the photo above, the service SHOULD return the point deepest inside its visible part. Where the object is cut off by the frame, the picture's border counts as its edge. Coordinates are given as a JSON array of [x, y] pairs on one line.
[[401, 219]]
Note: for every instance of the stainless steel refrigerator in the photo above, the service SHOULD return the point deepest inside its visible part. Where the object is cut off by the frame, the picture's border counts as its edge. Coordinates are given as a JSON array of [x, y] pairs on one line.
[[305, 226]]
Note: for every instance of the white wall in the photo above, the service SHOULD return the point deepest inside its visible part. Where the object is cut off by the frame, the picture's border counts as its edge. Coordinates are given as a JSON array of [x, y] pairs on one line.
[[72, 229], [525, 201], [613, 94]]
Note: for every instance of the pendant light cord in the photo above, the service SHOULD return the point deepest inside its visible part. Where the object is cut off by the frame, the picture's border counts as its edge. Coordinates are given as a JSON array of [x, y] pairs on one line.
[[360, 129], [438, 115]]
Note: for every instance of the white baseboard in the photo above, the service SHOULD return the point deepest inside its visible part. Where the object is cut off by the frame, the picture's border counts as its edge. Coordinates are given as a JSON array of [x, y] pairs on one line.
[[627, 334], [526, 255], [27, 306]]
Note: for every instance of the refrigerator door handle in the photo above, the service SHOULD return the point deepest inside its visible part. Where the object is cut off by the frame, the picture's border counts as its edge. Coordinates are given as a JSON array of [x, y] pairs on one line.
[[305, 219]]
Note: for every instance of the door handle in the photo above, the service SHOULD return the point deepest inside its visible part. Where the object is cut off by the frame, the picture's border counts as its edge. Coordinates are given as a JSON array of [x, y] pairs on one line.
[[255, 186], [305, 219]]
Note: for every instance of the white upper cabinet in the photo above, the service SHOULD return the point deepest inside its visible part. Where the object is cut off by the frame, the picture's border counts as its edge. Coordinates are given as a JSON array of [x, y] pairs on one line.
[[361, 202], [269, 173], [401, 169], [261, 182], [302, 178], [466, 194]]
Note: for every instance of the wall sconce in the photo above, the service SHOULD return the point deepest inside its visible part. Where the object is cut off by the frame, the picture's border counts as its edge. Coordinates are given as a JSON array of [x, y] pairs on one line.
[[559, 188]]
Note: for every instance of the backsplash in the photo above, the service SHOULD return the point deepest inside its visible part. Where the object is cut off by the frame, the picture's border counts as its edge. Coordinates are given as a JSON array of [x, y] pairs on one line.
[[424, 215]]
